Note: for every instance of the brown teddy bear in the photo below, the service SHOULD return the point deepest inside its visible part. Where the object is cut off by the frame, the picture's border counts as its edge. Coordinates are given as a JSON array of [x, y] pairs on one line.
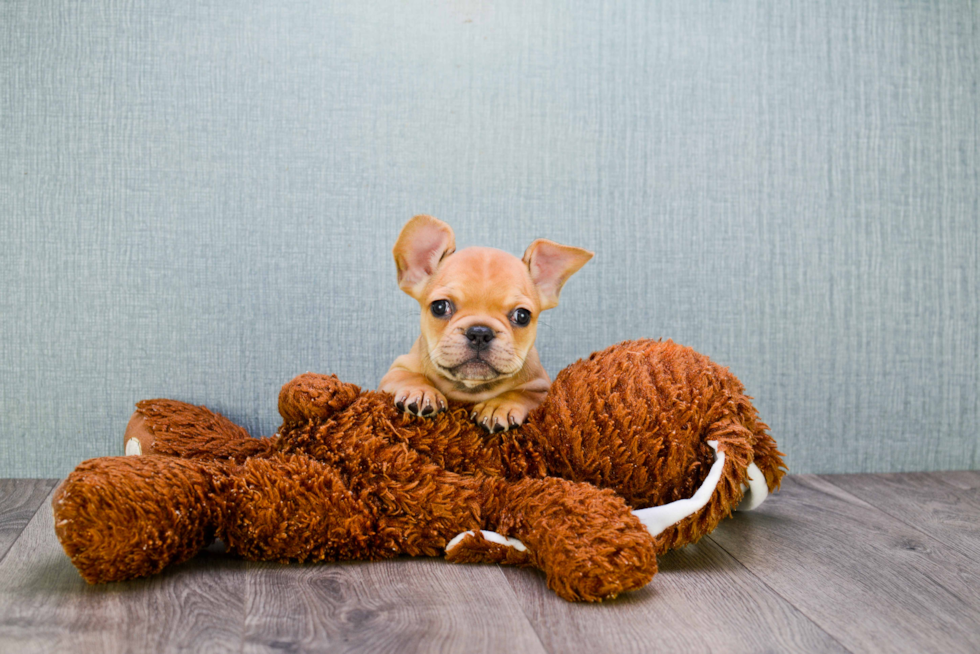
[[347, 476]]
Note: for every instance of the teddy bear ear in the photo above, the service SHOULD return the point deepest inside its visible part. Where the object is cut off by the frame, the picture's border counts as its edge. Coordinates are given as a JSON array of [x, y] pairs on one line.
[[315, 396]]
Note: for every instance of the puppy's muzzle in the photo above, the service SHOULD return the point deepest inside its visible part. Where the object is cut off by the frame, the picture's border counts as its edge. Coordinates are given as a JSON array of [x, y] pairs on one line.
[[479, 337]]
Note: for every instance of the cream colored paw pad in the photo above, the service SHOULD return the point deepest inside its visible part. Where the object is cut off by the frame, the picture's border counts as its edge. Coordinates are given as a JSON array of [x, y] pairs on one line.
[[491, 536]]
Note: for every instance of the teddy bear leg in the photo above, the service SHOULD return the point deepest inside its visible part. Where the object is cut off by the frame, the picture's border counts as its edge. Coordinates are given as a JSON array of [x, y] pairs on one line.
[[294, 508], [755, 491], [733, 480], [768, 459], [124, 517], [658, 518], [183, 430]]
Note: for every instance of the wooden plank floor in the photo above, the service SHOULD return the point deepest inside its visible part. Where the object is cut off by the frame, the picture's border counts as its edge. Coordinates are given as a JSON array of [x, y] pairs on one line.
[[845, 563]]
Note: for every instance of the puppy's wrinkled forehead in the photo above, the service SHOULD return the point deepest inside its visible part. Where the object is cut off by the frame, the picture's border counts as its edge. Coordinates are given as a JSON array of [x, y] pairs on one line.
[[483, 276]]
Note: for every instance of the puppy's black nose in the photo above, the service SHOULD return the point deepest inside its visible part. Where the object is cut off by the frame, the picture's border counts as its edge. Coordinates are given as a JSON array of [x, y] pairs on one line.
[[479, 337]]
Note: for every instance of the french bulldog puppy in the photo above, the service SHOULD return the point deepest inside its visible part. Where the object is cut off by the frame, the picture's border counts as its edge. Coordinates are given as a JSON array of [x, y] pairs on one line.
[[480, 310]]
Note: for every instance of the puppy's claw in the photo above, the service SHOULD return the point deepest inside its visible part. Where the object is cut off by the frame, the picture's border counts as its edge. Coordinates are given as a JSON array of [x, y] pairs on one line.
[[419, 402], [499, 427]]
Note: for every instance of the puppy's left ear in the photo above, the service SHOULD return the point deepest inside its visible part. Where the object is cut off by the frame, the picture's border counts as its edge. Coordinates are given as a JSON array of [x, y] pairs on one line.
[[551, 264]]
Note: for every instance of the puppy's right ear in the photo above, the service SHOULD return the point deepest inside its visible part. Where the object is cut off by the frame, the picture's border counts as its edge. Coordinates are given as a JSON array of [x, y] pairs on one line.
[[424, 242]]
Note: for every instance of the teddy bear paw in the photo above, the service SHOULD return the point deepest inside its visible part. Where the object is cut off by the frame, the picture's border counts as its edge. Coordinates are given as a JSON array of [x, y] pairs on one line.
[[139, 438], [482, 546]]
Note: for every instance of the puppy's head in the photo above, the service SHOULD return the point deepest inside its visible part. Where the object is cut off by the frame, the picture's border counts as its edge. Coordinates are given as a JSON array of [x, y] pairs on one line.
[[480, 306]]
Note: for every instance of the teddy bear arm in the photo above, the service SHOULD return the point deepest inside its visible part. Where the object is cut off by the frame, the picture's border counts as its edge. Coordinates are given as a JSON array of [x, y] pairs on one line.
[[586, 540], [315, 396]]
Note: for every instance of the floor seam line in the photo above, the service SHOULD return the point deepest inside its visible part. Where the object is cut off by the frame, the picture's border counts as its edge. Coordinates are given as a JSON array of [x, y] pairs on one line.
[[910, 525], [780, 595], [46, 500], [527, 618]]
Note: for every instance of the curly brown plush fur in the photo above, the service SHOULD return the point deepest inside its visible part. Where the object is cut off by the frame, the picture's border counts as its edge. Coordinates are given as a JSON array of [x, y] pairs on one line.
[[348, 476]]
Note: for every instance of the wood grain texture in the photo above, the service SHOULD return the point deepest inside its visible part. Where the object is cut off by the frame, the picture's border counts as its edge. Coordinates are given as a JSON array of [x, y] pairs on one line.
[[963, 479], [19, 500], [871, 581], [885, 565], [46, 606], [926, 501], [702, 600], [398, 606]]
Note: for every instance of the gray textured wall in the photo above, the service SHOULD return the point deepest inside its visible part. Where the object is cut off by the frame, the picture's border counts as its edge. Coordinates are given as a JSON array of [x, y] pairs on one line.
[[198, 200]]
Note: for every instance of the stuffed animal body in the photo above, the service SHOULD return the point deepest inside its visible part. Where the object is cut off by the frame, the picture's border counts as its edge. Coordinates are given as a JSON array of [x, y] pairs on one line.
[[642, 447]]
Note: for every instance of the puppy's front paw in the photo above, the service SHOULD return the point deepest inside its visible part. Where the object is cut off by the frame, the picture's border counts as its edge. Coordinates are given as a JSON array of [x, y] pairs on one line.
[[499, 414], [421, 401]]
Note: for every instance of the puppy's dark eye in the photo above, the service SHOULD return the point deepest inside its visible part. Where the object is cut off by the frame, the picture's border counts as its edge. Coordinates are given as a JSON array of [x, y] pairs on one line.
[[441, 308], [520, 317]]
